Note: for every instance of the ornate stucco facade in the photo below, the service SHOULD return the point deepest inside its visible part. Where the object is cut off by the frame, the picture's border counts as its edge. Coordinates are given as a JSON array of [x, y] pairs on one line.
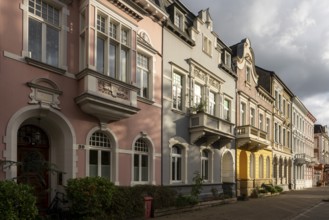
[[254, 123]]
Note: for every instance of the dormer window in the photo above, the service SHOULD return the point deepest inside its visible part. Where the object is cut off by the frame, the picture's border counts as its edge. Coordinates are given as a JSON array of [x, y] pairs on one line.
[[207, 45], [178, 19], [227, 59]]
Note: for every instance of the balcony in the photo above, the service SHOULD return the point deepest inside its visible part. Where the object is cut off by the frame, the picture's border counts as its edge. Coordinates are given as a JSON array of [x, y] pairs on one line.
[[251, 138], [105, 98], [209, 130], [302, 158]]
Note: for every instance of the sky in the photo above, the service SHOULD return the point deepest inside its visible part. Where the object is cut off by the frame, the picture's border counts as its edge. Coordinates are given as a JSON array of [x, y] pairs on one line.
[[289, 37]]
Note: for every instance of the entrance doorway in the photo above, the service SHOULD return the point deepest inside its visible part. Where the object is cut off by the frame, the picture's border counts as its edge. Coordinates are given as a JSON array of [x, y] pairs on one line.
[[33, 158]]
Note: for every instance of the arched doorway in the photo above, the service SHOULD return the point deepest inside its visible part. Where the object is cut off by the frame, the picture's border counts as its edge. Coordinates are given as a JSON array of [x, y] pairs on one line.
[[33, 157], [227, 168]]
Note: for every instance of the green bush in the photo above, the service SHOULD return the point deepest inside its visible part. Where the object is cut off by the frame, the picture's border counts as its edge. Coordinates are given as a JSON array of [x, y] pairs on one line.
[[128, 202], [17, 201], [90, 197], [278, 188], [186, 200]]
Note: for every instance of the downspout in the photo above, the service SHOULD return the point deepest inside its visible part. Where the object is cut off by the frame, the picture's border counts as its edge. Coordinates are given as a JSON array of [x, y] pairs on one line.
[[161, 120]]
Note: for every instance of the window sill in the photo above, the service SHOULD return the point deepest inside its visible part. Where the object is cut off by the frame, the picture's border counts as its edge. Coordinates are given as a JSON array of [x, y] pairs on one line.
[[145, 100], [178, 111], [44, 66]]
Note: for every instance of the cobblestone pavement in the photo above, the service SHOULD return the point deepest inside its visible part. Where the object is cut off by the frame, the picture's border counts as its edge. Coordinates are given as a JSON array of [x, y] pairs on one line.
[[295, 205]]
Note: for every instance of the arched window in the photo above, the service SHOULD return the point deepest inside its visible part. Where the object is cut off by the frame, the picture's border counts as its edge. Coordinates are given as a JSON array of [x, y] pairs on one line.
[[100, 155], [141, 161], [268, 167], [252, 166], [205, 165], [261, 167], [176, 163]]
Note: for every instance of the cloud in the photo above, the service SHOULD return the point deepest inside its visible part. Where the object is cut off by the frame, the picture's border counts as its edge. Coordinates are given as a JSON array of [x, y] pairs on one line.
[[290, 37]]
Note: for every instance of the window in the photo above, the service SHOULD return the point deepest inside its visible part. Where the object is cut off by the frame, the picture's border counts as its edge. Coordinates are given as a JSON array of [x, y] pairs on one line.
[[261, 122], [252, 166], [276, 132], [197, 94], [227, 109], [268, 125], [284, 137], [211, 103], [280, 135], [268, 167], [142, 75], [176, 163], [280, 102], [248, 73], [252, 116], [276, 99], [177, 91], [178, 20], [100, 155], [227, 59], [284, 107], [44, 32], [205, 165], [141, 161], [243, 114], [207, 45], [261, 167], [113, 48]]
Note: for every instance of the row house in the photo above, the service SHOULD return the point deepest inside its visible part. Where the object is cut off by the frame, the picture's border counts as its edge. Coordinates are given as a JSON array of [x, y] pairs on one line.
[[302, 145], [281, 124], [253, 125], [82, 85], [198, 103], [321, 154]]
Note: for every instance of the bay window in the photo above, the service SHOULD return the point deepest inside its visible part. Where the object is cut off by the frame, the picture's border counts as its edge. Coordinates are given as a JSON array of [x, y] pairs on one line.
[[113, 49]]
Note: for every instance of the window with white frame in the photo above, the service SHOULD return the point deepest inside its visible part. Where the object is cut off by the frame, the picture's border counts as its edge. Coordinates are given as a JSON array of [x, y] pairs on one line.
[[227, 109], [276, 99], [243, 113], [211, 103], [207, 45], [261, 167], [141, 161], [252, 166], [252, 116], [284, 136], [44, 30], [268, 126], [205, 165], [113, 48], [276, 131], [177, 91], [280, 135], [100, 155], [227, 59], [248, 74], [197, 94], [179, 20], [176, 163], [261, 122], [143, 75], [268, 167]]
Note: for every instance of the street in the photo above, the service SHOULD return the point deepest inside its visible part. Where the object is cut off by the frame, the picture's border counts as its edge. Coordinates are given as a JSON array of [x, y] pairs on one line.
[[296, 205]]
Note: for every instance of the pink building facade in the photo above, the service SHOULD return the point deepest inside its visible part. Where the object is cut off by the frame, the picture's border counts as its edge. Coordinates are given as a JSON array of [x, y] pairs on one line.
[[81, 88]]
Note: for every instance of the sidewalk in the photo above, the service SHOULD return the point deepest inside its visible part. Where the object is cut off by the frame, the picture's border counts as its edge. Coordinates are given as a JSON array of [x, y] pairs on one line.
[[301, 204]]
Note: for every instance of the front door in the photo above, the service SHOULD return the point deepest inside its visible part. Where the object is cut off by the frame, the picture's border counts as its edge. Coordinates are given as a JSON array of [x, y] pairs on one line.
[[33, 158]]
